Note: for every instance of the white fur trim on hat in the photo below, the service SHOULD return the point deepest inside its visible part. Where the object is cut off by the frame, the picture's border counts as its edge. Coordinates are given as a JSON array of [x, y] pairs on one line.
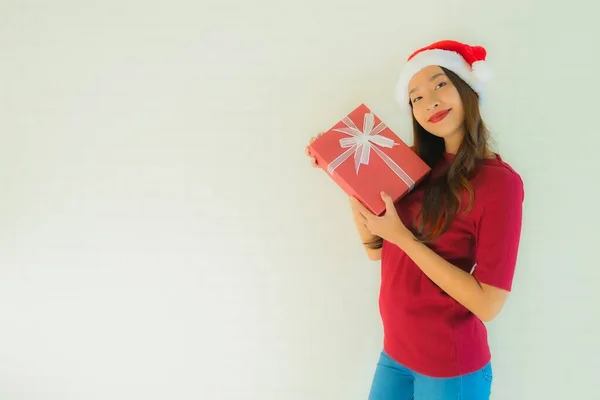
[[474, 77]]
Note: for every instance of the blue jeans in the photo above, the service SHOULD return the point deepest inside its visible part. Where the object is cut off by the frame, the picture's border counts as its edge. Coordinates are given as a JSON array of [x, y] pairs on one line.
[[394, 381]]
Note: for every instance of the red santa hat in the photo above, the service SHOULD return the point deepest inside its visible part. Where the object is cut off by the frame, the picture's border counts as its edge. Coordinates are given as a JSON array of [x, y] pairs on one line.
[[468, 62]]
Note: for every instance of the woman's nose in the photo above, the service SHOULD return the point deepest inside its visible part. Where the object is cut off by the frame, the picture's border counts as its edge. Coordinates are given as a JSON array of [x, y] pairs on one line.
[[434, 104]]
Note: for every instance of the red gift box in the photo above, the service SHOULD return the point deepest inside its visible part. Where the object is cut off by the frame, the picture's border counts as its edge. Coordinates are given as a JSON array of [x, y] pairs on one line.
[[364, 157]]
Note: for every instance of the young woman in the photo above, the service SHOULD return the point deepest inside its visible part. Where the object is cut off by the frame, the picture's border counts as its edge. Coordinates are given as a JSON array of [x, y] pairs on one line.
[[448, 249]]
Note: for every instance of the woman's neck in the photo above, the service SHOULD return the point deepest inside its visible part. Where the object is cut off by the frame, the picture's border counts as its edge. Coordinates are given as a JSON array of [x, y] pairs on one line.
[[487, 154], [452, 143]]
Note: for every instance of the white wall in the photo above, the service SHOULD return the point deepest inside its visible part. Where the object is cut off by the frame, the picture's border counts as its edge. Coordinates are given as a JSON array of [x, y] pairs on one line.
[[163, 236]]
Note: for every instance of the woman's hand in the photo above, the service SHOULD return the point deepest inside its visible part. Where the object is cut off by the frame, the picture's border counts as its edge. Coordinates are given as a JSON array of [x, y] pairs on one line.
[[314, 160], [388, 227]]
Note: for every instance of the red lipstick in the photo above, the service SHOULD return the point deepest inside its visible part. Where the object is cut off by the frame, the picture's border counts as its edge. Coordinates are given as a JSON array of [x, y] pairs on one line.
[[438, 116]]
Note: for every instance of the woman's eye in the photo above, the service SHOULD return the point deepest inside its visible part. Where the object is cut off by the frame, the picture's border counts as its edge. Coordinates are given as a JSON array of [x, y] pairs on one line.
[[441, 84], [416, 99]]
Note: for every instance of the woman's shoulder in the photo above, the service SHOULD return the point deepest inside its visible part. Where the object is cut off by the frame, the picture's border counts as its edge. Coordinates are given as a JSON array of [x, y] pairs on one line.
[[497, 177]]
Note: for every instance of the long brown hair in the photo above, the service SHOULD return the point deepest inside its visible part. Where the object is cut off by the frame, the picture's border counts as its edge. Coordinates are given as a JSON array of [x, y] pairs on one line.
[[442, 194]]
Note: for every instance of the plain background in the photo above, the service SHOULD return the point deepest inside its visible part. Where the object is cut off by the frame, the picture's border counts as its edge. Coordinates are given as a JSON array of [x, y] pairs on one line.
[[162, 234]]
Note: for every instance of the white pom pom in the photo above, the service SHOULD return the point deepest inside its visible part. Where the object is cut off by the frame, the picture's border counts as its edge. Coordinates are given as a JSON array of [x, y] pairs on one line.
[[482, 71]]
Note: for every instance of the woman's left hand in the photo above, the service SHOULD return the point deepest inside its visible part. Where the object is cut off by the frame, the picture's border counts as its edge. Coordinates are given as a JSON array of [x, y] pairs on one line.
[[389, 226]]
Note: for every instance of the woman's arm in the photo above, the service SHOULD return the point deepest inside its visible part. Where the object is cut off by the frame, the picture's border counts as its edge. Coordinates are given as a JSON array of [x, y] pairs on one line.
[[496, 251], [365, 235], [482, 300], [498, 236]]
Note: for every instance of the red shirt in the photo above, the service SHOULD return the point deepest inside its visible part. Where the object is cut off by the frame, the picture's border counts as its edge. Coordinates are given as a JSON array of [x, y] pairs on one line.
[[425, 329]]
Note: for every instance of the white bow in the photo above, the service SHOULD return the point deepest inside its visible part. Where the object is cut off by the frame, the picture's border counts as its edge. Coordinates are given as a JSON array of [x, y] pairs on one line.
[[360, 143]]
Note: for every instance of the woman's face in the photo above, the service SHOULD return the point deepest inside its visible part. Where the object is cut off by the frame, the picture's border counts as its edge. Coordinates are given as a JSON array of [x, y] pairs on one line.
[[436, 104]]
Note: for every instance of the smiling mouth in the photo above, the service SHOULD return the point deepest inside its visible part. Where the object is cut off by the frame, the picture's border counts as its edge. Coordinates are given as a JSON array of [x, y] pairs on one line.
[[437, 117]]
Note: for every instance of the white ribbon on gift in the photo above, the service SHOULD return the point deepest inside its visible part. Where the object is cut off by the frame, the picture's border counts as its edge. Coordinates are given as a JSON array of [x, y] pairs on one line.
[[360, 143]]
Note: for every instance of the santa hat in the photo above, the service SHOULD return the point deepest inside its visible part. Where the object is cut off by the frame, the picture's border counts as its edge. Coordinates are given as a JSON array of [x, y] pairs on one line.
[[468, 62]]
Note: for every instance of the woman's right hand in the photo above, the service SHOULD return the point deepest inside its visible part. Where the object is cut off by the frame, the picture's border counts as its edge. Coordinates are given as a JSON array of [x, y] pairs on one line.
[[313, 158], [365, 235]]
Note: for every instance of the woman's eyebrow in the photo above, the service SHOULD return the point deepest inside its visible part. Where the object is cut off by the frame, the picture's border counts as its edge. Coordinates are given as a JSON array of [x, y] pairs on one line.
[[432, 78]]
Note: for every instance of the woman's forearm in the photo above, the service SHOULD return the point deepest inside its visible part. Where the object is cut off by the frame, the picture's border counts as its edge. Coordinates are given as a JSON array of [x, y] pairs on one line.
[[365, 236], [458, 284]]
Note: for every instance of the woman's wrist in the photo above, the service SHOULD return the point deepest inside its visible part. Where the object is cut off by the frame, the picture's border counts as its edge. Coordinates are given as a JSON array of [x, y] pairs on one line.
[[404, 239]]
